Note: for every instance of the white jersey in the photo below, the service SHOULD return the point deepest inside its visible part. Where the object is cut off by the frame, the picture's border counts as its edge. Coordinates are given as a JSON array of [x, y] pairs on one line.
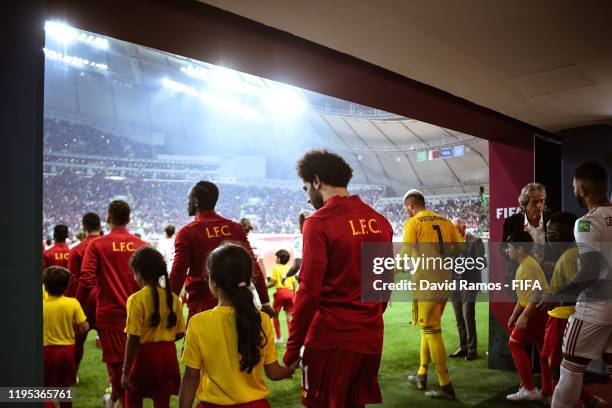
[[256, 246], [297, 248], [593, 233], [166, 248]]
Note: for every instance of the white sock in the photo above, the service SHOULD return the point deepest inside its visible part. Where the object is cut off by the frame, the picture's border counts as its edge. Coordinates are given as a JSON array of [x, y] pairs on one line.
[[568, 389]]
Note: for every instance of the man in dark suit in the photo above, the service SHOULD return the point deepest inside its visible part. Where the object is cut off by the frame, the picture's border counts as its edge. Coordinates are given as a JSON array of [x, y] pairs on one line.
[[532, 218], [464, 301]]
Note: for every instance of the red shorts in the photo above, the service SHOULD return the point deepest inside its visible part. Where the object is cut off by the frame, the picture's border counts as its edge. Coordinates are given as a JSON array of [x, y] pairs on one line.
[[283, 298], [60, 370], [534, 333], [339, 379], [155, 372], [197, 306], [553, 340], [254, 404], [113, 345]]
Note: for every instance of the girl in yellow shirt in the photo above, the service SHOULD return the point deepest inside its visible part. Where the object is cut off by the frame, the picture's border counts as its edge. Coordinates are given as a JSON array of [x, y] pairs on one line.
[[228, 347], [154, 322]]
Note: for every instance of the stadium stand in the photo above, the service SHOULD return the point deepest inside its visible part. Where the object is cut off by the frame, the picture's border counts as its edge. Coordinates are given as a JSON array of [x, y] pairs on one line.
[[156, 203], [468, 208], [61, 136]]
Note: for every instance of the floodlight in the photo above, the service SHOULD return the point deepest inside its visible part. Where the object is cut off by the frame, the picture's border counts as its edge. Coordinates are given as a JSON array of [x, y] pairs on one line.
[[72, 60], [66, 34], [284, 99]]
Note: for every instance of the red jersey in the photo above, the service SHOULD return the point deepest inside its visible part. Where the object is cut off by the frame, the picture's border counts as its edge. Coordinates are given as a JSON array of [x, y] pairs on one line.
[[75, 264], [192, 245], [57, 255], [106, 267], [328, 312], [77, 253]]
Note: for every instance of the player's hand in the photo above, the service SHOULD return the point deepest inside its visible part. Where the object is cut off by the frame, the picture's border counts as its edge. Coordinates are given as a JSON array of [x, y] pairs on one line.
[[511, 321], [521, 322], [125, 379], [296, 364], [292, 367], [267, 309]]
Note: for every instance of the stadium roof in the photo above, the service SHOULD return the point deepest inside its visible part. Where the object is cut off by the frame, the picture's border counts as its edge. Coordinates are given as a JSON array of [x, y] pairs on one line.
[[547, 63], [121, 89]]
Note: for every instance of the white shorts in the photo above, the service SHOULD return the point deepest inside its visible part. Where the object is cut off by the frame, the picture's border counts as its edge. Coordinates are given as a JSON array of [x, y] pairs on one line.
[[586, 339]]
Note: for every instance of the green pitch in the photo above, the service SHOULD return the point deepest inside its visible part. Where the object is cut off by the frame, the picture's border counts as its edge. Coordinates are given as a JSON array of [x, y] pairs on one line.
[[475, 385]]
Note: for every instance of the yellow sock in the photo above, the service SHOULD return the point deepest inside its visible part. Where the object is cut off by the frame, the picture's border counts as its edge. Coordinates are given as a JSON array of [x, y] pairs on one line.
[[424, 358], [438, 353]]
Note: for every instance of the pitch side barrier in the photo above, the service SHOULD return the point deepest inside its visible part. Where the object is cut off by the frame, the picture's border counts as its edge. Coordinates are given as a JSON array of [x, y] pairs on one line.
[[439, 271]]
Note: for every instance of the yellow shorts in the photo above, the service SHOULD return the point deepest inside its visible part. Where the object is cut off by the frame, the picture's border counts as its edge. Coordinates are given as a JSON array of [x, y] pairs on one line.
[[426, 314]]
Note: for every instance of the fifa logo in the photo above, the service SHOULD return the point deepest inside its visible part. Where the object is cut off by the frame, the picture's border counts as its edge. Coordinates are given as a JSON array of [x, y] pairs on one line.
[[505, 212], [526, 284]]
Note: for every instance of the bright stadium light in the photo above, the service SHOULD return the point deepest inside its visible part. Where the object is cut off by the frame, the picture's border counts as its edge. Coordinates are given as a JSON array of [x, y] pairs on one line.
[[213, 99], [195, 72], [180, 87], [66, 34], [222, 79], [231, 105], [73, 60], [285, 100], [227, 80]]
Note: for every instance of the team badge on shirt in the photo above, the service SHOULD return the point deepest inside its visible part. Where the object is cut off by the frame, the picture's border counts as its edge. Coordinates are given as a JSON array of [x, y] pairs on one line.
[[584, 226]]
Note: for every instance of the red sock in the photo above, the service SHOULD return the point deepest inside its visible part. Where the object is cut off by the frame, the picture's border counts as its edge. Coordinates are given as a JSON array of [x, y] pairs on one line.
[[115, 378], [277, 328], [522, 363]]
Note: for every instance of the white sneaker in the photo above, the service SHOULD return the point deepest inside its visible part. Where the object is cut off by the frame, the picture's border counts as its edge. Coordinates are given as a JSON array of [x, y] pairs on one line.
[[524, 394], [107, 401]]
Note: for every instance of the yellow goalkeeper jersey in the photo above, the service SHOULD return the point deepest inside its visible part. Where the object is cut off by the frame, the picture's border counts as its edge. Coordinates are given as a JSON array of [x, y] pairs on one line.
[[425, 236]]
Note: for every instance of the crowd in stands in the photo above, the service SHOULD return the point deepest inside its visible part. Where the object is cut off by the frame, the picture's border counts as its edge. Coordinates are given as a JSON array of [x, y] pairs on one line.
[[79, 159], [468, 209], [150, 169], [156, 203], [61, 136]]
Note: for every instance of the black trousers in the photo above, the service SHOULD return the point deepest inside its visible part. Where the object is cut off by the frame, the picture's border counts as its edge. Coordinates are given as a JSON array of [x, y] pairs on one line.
[[464, 304]]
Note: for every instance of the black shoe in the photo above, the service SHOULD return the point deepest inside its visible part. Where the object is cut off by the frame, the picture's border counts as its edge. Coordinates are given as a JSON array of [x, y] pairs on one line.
[[418, 380], [445, 392], [471, 356], [458, 353]]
